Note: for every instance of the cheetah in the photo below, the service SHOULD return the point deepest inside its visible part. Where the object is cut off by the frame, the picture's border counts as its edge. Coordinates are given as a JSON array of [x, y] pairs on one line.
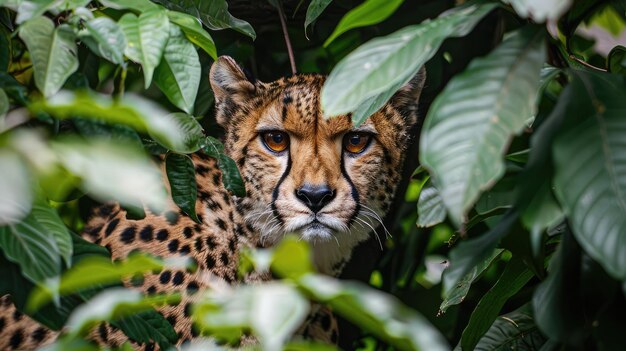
[[325, 180]]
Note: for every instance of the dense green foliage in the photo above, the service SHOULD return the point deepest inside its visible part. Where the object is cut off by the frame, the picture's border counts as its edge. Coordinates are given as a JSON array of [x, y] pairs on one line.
[[511, 234]]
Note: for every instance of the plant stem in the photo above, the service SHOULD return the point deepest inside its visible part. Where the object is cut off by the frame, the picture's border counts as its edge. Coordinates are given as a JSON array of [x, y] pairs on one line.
[[283, 24]]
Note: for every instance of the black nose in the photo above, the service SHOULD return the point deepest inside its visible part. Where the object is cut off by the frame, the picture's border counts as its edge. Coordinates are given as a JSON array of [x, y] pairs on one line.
[[315, 196]]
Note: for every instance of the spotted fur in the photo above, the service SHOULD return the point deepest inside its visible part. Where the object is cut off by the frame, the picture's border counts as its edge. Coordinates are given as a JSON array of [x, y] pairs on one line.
[[362, 186]]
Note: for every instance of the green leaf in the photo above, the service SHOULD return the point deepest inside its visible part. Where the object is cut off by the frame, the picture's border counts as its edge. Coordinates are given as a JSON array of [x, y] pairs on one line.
[[542, 212], [292, 258], [590, 170], [617, 60], [273, 311], [457, 294], [214, 14], [383, 65], [513, 331], [113, 171], [471, 123], [147, 37], [193, 30], [315, 9], [182, 179], [178, 74], [430, 208], [53, 52], [4, 106], [191, 132], [147, 327], [28, 244], [514, 277], [16, 199], [540, 11], [368, 13], [469, 253], [49, 219], [137, 5], [231, 178], [105, 38], [375, 312], [13, 88]]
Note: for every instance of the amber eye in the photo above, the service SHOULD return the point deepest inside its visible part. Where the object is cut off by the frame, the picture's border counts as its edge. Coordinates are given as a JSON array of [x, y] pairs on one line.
[[275, 140], [356, 142]]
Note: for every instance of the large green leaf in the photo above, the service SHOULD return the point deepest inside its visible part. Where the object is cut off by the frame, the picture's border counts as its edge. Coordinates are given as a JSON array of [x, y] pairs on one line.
[[315, 9], [182, 178], [192, 135], [590, 169], [16, 199], [53, 52], [368, 13], [458, 293], [147, 327], [514, 277], [430, 208], [193, 30], [616, 61], [146, 36], [540, 11], [105, 37], [513, 331], [382, 65], [273, 311], [178, 74], [30, 246], [49, 219], [470, 124], [137, 5], [231, 178]]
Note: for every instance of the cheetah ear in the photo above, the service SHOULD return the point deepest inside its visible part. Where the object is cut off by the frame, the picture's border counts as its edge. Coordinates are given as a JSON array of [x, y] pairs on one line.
[[406, 100], [231, 87]]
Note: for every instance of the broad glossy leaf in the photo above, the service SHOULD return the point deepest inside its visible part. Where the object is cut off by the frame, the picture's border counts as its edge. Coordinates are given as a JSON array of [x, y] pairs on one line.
[[513, 331], [382, 65], [105, 37], [292, 258], [540, 11], [132, 110], [470, 124], [146, 36], [193, 30], [49, 219], [13, 88], [590, 169], [457, 294], [137, 5], [617, 60], [214, 14], [273, 311], [231, 178], [178, 74], [469, 253], [148, 327], [514, 277], [53, 52], [29, 244], [430, 208], [315, 9], [181, 175], [368, 13], [375, 312], [190, 131], [109, 171], [16, 199]]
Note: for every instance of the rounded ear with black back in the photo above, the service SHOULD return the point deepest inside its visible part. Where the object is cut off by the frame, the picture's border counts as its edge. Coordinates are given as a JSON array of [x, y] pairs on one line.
[[406, 99], [232, 87]]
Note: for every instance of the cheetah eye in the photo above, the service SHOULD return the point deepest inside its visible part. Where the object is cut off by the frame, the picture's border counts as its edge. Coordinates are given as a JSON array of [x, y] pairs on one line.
[[276, 141], [356, 142]]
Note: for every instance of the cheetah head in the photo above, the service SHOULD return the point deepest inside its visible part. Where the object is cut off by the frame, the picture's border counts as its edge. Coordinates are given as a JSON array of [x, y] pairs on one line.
[[323, 179]]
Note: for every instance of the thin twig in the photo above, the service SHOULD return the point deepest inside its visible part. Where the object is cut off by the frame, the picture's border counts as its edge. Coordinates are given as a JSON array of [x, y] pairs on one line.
[[283, 24], [586, 64]]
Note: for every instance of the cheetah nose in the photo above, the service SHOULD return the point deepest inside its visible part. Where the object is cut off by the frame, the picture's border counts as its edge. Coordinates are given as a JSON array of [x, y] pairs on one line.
[[315, 196]]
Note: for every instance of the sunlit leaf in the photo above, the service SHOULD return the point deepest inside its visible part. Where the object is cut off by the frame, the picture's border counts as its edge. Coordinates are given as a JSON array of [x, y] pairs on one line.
[[105, 37], [178, 74], [193, 30], [292, 258], [53, 52], [137, 5], [470, 124], [457, 294], [540, 11], [146, 36], [16, 199], [383, 65], [590, 170], [182, 179], [368, 13]]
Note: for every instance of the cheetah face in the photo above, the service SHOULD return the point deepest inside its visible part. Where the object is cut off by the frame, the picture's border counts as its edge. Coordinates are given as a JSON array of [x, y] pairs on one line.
[[323, 179]]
